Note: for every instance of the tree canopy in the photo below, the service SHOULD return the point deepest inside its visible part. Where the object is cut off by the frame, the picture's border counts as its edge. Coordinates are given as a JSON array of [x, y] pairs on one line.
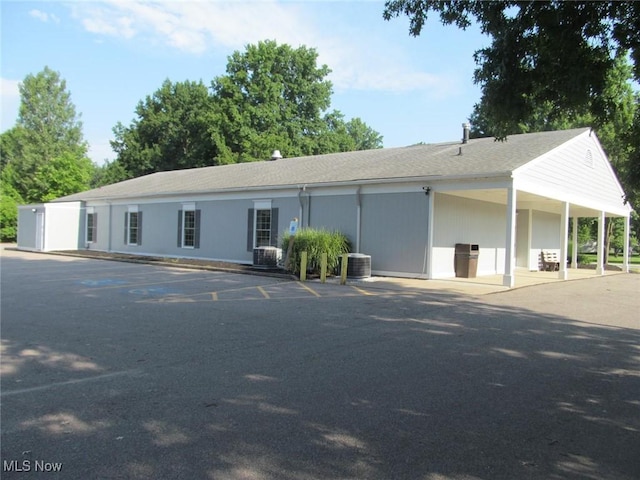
[[272, 97], [44, 155], [171, 131], [546, 58]]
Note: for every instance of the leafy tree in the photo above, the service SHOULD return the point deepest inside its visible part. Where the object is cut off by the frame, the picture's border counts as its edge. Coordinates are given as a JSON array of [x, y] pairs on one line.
[[364, 137], [62, 176], [48, 132], [614, 133], [9, 201], [557, 54], [272, 97], [276, 97], [171, 131], [108, 173], [341, 136]]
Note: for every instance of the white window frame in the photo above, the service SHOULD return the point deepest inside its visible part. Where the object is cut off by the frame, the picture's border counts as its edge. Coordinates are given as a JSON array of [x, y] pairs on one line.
[[188, 208], [90, 230], [257, 206], [132, 209]]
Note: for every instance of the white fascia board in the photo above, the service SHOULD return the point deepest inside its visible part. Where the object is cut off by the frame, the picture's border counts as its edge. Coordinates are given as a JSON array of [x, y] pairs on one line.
[[64, 205], [504, 181], [623, 210]]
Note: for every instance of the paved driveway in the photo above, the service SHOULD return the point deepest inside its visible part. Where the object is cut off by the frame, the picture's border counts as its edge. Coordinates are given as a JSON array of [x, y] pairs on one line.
[[114, 370]]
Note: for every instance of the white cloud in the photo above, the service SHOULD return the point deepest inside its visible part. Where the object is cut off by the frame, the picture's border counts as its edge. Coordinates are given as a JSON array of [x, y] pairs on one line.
[[195, 27], [44, 16], [10, 101]]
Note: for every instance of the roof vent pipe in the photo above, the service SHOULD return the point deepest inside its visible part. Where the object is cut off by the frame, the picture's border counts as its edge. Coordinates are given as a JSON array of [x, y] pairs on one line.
[[466, 128], [276, 155]]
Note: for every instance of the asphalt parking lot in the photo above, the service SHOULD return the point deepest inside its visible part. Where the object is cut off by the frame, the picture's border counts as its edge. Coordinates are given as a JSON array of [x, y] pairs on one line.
[[126, 371]]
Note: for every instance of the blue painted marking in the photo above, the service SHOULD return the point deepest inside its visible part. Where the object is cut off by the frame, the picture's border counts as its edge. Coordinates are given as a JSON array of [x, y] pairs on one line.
[[102, 283], [152, 291]]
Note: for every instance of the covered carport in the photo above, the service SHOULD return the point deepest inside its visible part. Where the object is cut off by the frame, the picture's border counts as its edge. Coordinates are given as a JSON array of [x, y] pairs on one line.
[[536, 220]]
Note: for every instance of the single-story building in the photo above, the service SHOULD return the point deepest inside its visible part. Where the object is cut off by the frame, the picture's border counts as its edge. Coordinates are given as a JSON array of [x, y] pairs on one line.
[[407, 207]]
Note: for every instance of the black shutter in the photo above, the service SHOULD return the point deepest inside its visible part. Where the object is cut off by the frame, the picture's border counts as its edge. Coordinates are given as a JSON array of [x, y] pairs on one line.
[[179, 228], [250, 230], [274, 227], [139, 228], [95, 227], [196, 233], [126, 237]]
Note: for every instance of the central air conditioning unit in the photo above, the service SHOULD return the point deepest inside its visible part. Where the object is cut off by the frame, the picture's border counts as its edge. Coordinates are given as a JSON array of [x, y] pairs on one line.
[[358, 265], [266, 257]]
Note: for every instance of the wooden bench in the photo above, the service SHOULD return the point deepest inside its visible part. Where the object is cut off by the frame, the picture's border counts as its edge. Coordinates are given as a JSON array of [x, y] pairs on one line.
[[550, 262]]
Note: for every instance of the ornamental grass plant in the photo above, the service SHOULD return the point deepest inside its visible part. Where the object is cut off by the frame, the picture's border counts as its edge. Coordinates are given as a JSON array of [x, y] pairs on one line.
[[316, 242]]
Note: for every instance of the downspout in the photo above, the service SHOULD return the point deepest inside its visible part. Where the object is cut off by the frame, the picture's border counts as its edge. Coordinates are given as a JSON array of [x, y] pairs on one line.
[[110, 226], [427, 266], [358, 219], [300, 216]]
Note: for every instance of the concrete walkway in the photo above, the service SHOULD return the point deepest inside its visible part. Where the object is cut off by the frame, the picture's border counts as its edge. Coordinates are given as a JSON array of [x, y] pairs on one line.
[[485, 284]]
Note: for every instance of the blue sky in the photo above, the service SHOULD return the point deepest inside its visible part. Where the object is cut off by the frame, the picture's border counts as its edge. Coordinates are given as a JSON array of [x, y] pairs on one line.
[[113, 54]]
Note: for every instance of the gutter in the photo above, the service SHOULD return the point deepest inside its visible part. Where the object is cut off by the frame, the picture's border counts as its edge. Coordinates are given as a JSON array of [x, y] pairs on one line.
[[261, 188]]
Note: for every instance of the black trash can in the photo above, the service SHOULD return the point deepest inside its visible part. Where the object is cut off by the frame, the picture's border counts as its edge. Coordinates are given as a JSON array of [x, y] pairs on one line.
[[466, 260]]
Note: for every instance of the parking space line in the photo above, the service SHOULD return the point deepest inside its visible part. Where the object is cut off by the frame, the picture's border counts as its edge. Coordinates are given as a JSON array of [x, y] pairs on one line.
[[263, 292], [309, 289], [70, 382], [359, 290]]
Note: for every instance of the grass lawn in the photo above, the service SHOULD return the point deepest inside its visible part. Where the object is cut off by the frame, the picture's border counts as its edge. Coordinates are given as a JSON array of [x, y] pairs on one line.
[[592, 258]]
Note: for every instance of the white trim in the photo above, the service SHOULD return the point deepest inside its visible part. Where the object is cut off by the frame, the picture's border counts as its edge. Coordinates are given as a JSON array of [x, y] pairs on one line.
[[89, 211], [262, 204], [625, 248], [132, 208], [600, 245], [183, 231], [564, 242], [508, 280], [429, 244]]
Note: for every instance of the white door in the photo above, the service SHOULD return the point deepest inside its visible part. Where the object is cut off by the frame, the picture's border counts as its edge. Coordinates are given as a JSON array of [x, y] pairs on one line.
[[40, 231]]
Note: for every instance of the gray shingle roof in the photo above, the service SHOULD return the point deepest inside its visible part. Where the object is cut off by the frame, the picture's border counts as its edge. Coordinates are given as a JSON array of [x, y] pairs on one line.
[[480, 157]]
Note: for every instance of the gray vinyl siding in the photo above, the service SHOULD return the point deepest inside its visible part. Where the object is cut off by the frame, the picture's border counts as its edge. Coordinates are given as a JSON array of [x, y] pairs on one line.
[[222, 233], [288, 209], [27, 226], [338, 212], [394, 231], [101, 242], [223, 229]]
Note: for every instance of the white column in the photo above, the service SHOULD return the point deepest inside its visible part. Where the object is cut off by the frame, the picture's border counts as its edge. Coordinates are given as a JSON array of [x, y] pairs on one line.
[[601, 245], [429, 246], [574, 250], [564, 241], [625, 248], [509, 279], [358, 219], [532, 260]]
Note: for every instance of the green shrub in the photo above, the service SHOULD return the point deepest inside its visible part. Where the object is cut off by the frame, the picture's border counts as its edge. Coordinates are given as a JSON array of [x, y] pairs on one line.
[[315, 242], [583, 259]]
